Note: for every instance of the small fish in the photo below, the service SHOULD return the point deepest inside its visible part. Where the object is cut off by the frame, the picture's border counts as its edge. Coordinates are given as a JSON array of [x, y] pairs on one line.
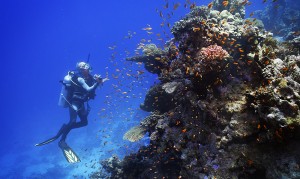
[[161, 14], [267, 62], [195, 29], [176, 6], [210, 5], [245, 2], [112, 48], [167, 6], [251, 14], [187, 70], [192, 6], [225, 3], [147, 28], [203, 22], [284, 69]]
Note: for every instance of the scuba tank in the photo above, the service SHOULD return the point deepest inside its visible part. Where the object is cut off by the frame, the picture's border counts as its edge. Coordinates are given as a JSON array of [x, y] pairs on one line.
[[65, 93]]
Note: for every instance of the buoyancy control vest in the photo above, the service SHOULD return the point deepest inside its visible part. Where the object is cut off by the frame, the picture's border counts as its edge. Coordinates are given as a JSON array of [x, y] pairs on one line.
[[72, 90], [79, 93]]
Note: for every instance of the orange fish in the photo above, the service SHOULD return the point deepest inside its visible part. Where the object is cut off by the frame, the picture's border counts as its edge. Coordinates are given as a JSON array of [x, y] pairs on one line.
[[225, 3], [176, 6], [285, 69], [210, 5], [267, 62], [187, 70], [195, 29]]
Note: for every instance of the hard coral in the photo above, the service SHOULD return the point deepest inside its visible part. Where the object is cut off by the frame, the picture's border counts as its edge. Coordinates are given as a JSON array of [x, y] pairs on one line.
[[228, 102], [212, 53]]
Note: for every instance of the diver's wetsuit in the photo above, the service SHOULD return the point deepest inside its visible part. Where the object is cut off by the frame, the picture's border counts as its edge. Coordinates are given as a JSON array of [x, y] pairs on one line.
[[83, 90]]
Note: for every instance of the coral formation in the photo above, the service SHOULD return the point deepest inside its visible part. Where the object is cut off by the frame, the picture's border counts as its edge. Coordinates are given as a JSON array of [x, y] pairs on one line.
[[283, 18], [227, 105], [153, 58], [211, 53]]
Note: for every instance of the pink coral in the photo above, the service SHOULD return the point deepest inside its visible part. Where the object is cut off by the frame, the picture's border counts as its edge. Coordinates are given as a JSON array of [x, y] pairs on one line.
[[212, 53]]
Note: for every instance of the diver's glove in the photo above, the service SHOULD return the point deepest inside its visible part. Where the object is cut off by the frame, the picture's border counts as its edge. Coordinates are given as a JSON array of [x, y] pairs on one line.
[[99, 79]]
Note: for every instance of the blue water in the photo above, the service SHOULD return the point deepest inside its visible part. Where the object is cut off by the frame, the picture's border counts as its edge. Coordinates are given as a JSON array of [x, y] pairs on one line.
[[39, 42]]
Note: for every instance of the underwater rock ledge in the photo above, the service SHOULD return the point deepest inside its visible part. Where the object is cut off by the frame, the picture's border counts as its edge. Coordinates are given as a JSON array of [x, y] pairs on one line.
[[227, 105]]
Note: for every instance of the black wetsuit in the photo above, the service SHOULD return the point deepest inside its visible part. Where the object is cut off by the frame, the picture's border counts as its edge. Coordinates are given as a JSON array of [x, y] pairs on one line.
[[80, 94], [78, 99]]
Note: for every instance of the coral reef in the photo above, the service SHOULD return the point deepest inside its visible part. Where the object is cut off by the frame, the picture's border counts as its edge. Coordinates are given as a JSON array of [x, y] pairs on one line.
[[153, 58], [227, 105], [283, 19]]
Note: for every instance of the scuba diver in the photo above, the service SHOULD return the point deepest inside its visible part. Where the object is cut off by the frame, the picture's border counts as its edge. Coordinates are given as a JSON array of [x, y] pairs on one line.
[[78, 88]]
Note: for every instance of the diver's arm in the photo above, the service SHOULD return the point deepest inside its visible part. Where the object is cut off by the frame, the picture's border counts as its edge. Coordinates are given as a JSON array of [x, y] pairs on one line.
[[85, 86]]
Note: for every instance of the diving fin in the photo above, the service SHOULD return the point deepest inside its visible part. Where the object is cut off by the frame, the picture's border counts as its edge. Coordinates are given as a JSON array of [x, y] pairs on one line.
[[63, 128], [69, 154], [47, 141]]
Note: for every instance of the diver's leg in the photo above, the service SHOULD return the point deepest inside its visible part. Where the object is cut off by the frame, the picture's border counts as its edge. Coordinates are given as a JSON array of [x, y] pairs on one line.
[[69, 126], [69, 154], [82, 113], [59, 133]]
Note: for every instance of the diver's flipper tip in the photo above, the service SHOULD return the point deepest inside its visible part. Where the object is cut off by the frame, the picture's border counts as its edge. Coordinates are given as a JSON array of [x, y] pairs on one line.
[[46, 142], [69, 154]]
